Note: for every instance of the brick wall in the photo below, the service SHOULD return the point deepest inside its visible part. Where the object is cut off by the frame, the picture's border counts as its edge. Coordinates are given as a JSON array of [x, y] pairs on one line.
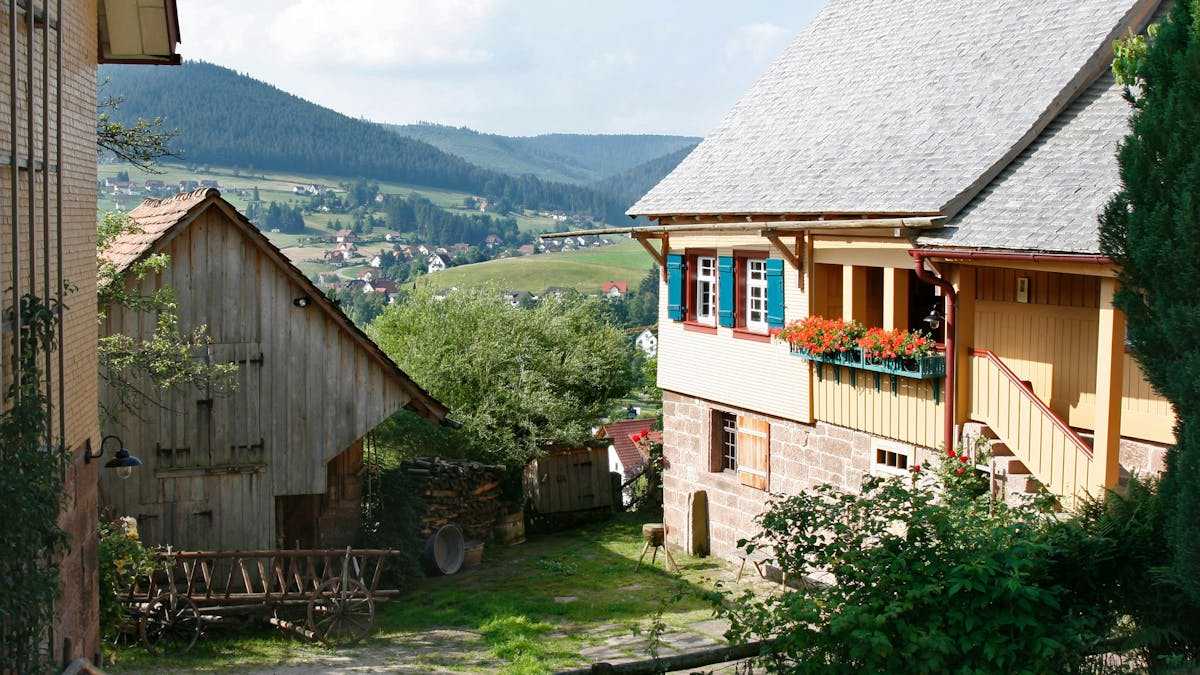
[[77, 608], [802, 456]]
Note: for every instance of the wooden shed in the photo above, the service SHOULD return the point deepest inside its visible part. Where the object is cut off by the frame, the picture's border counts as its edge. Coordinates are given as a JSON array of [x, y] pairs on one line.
[[569, 479], [277, 463]]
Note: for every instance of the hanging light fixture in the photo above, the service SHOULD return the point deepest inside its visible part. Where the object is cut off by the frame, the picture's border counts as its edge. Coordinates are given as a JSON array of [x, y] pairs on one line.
[[122, 460], [934, 319]]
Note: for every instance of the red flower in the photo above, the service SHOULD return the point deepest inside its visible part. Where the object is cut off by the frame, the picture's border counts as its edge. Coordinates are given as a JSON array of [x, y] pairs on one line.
[[964, 459], [959, 470], [916, 468], [951, 453]]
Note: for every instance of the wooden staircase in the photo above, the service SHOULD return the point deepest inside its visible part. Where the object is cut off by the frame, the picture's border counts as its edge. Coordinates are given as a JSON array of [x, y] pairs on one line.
[[1031, 445]]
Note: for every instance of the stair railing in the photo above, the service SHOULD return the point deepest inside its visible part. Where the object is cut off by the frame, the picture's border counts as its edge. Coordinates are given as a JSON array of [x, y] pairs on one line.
[[1052, 451]]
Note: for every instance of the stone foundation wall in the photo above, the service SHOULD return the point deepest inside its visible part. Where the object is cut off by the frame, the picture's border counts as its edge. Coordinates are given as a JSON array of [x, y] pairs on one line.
[[802, 456]]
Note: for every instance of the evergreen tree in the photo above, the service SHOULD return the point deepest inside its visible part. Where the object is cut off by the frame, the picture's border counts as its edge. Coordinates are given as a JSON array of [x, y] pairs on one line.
[[1150, 230]]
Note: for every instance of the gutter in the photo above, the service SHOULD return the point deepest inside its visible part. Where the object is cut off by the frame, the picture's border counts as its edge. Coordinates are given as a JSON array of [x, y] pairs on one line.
[[976, 254], [780, 226]]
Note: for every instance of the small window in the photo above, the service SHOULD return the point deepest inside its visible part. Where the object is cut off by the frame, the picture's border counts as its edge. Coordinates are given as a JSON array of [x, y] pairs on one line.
[[706, 290], [756, 295], [726, 438], [890, 458]]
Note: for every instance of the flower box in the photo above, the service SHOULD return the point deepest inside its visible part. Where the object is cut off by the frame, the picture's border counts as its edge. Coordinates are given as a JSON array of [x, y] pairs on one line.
[[920, 368]]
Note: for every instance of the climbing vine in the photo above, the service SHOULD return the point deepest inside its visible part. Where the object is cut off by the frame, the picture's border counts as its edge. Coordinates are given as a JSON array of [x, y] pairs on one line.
[[31, 486]]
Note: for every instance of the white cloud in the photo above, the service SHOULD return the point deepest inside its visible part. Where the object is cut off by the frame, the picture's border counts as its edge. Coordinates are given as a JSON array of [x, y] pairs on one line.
[[757, 43], [381, 33]]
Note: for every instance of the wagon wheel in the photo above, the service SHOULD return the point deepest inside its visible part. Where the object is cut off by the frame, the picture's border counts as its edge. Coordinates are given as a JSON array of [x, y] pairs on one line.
[[173, 618], [340, 616]]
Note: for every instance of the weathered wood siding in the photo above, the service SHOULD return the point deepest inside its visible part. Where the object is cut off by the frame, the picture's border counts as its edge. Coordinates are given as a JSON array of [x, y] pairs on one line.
[[1051, 342], [569, 480], [307, 392], [758, 376]]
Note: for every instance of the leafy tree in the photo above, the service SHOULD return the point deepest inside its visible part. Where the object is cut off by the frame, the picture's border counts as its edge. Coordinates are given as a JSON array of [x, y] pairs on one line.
[[139, 141], [168, 358], [1149, 229], [517, 379]]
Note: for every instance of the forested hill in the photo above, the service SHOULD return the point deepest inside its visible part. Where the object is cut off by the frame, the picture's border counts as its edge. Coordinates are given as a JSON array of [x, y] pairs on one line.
[[629, 186], [231, 119], [578, 158]]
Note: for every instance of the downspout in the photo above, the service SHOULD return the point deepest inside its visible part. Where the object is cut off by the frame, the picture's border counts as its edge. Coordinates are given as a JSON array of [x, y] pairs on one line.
[[951, 353]]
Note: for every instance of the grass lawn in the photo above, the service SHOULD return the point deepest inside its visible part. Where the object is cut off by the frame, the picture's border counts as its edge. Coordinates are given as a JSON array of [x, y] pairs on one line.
[[585, 270], [530, 608]]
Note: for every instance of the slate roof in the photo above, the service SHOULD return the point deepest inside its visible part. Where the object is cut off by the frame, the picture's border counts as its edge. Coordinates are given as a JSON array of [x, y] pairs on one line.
[[896, 106], [159, 220], [1050, 197]]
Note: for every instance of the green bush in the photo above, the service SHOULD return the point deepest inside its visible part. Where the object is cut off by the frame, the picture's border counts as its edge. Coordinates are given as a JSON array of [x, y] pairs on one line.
[[391, 518], [122, 560], [912, 578]]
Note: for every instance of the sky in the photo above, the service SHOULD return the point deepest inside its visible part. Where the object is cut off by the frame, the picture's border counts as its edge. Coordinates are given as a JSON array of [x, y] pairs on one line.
[[518, 67]]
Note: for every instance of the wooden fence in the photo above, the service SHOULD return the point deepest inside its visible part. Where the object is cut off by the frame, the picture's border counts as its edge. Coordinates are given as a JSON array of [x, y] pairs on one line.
[[566, 480]]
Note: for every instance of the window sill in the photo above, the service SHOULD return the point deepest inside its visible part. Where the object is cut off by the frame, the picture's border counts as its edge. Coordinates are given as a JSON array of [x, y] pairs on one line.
[[699, 327], [743, 334]]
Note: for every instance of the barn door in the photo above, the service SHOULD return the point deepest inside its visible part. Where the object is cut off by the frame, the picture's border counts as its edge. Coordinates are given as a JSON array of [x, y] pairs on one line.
[[234, 419], [754, 451]]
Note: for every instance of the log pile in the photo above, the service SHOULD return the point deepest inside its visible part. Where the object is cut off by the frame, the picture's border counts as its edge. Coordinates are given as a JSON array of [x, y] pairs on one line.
[[464, 493]]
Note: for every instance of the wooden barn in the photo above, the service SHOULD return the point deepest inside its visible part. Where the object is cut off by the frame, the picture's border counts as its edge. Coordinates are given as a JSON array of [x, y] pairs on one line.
[[277, 463]]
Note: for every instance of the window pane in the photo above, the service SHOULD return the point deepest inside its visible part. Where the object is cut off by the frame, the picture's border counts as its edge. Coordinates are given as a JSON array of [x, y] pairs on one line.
[[728, 441]]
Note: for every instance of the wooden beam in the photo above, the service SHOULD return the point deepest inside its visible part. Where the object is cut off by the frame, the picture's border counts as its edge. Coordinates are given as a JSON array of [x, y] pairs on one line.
[[1110, 371], [964, 339], [854, 293], [659, 256], [895, 298], [792, 255]]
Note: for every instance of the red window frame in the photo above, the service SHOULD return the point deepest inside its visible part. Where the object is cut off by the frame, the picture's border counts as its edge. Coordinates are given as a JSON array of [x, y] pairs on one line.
[[740, 266], [689, 289]]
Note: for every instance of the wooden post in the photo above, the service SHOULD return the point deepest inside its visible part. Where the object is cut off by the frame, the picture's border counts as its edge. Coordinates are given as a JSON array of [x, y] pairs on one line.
[[895, 298], [964, 283], [1110, 354], [854, 293]]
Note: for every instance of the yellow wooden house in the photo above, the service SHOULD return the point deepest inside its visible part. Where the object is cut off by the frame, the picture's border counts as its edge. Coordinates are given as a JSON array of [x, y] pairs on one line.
[[928, 164]]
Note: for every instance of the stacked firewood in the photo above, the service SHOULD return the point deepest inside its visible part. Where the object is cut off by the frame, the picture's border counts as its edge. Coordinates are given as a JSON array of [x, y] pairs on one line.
[[464, 493]]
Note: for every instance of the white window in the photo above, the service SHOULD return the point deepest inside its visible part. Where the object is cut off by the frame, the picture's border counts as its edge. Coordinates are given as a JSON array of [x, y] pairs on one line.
[[756, 295], [890, 458], [706, 290]]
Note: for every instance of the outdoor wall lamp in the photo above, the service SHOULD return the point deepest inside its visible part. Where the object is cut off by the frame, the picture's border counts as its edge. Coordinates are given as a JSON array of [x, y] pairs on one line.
[[122, 461], [934, 319], [302, 301]]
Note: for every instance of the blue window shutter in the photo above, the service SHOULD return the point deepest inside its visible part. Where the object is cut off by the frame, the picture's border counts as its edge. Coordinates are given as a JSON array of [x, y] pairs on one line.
[[774, 293], [725, 290], [675, 287]]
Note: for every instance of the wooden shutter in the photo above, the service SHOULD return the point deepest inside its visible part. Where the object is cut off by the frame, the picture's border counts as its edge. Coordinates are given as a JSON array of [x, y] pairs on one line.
[[774, 293], [754, 451], [675, 268], [725, 303]]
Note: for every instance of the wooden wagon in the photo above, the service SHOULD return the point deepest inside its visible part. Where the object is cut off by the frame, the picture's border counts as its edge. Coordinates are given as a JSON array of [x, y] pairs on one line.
[[326, 595]]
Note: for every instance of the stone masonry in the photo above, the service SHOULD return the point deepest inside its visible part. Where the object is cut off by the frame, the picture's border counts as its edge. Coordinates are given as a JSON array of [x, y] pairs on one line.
[[803, 456]]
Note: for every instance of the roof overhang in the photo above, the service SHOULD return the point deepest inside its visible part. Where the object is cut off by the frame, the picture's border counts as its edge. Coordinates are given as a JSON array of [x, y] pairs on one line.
[[781, 227], [138, 31]]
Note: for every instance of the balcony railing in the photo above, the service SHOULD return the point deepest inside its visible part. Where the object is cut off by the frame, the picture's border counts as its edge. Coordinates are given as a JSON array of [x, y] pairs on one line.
[[920, 368]]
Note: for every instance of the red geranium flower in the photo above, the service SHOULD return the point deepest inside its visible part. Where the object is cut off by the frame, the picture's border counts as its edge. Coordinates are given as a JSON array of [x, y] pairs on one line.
[[964, 459], [951, 453]]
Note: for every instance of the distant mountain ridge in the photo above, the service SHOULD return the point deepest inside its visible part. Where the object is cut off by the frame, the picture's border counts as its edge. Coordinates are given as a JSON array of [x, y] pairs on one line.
[[574, 158], [629, 185], [231, 119]]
